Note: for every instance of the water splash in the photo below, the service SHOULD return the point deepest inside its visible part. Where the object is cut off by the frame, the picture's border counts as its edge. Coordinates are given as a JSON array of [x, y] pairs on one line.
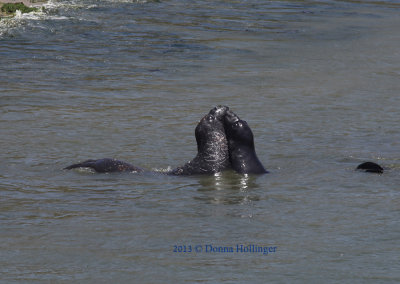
[[18, 14]]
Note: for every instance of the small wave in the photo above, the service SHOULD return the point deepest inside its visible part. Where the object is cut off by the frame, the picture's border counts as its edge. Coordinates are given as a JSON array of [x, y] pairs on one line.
[[162, 170], [52, 5], [40, 15], [69, 5]]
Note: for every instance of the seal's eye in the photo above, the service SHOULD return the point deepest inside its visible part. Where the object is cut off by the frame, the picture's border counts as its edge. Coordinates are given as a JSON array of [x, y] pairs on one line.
[[210, 118], [237, 124]]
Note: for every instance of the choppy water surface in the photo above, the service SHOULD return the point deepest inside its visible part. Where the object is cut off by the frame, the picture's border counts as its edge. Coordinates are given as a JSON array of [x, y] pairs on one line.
[[318, 82]]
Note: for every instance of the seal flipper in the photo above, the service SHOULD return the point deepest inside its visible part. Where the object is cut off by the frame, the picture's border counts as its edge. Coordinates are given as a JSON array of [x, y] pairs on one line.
[[370, 167], [105, 166], [85, 164]]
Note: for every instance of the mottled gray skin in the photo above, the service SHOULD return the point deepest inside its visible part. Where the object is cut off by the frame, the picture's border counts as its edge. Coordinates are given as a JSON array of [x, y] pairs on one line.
[[212, 146], [242, 153], [106, 165]]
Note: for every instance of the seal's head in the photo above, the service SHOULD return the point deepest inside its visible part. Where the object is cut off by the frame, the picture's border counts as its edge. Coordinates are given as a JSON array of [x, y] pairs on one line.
[[211, 127], [212, 146], [219, 112], [242, 153], [238, 130]]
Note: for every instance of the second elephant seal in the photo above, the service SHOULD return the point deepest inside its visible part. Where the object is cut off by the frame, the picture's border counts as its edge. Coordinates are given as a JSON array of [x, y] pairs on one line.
[[242, 153]]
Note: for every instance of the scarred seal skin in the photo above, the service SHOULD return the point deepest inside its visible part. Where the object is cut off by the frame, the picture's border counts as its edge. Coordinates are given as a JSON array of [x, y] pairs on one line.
[[212, 146], [242, 153]]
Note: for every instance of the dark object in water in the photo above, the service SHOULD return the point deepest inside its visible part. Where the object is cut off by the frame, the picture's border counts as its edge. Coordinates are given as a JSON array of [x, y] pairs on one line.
[[106, 166], [370, 167]]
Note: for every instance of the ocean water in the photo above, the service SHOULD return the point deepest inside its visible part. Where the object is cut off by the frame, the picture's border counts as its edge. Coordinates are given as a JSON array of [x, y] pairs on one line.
[[317, 81]]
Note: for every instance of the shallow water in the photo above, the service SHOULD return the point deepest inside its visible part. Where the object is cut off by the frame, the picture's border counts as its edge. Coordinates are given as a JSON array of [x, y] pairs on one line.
[[316, 80]]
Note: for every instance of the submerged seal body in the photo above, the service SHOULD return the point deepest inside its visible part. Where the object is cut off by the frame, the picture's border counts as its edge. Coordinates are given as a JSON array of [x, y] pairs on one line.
[[242, 153], [370, 167], [212, 146], [106, 165]]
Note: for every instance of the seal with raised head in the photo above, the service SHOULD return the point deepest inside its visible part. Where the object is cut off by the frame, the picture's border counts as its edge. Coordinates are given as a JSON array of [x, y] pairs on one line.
[[212, 146], [212, 151], [242, 153]]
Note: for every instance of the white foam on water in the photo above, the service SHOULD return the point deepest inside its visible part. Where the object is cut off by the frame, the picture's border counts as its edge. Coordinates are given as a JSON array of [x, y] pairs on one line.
[[48, 13], [7, 25]]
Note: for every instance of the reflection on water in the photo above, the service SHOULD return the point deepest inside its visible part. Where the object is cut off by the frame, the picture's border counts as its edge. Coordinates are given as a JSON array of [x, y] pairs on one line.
[[228, 188], [244, 182]]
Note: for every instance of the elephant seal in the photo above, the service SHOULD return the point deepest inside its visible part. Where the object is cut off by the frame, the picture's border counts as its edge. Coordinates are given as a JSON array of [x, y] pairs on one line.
[[212, 151], [106, 166], [242, 153], [370, 167], [212, 146]]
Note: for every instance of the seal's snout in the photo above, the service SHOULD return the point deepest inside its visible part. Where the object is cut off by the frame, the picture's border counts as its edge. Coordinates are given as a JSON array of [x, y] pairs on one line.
[[230, 118], [219, 111]]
